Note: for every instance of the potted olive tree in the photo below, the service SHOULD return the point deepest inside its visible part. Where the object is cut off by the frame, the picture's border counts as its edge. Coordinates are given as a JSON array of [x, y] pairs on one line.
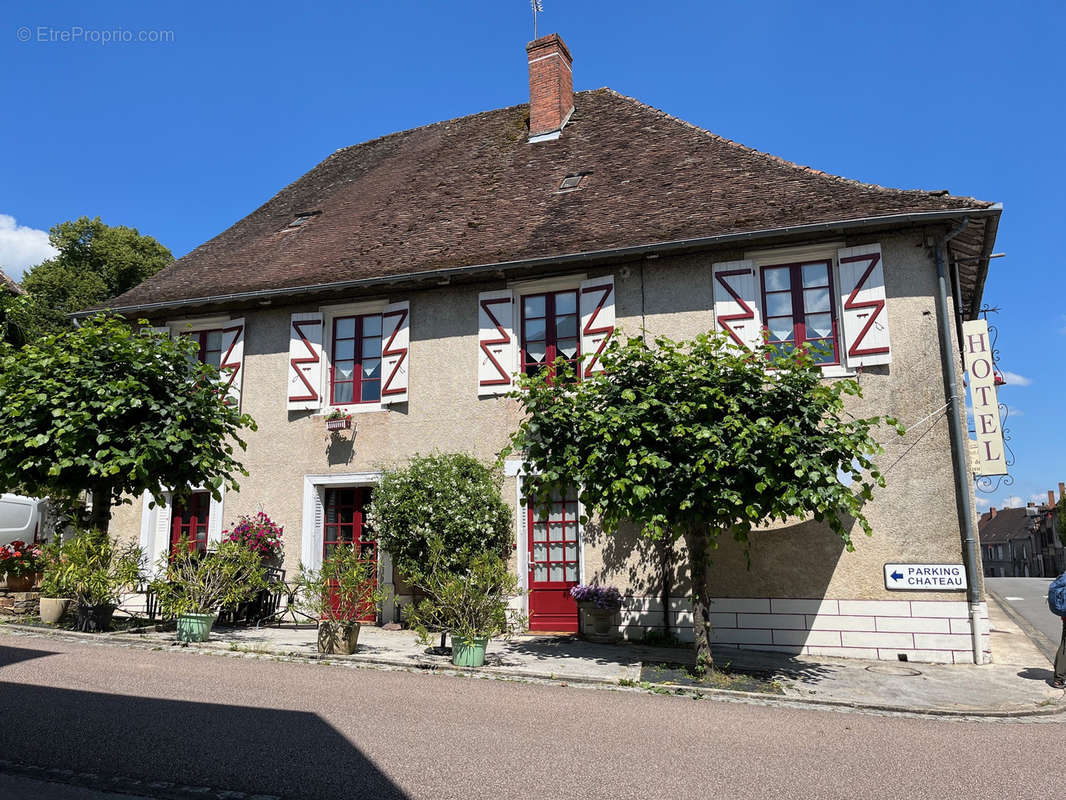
[[472, 603], [339, 593], [192, 586], [56, 596], [96, 570]]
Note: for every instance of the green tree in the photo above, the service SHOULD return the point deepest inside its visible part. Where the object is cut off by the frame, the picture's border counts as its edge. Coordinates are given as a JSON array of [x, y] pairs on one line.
[[1060, 519], [692, 440], [100, 410], [449, 496], [95, 263]]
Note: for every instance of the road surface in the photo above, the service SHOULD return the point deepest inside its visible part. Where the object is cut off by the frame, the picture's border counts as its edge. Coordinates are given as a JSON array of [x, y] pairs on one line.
[[317, 731], [1028, 598]]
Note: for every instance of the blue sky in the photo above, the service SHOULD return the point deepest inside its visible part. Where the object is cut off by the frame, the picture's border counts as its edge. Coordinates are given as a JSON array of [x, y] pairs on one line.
[[183, 135]]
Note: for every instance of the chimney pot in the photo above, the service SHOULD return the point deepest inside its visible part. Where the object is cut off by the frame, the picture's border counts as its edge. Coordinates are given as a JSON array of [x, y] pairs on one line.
[[551, 86], [1050, 498], [1062, 489]]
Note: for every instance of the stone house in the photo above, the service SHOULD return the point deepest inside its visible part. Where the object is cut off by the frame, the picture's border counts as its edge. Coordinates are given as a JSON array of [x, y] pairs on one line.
[[406, 280], [1010, 542]]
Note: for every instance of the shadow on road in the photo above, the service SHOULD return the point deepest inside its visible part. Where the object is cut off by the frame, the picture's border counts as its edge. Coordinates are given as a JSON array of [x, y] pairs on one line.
[[13, 655], [256, 750]]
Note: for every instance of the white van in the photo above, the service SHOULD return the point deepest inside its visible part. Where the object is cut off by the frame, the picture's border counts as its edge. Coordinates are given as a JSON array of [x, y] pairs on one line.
[[20, 519]]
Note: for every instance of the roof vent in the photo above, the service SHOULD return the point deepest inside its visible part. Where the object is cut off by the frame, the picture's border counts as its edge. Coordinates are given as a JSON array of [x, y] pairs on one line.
[[301, 218]]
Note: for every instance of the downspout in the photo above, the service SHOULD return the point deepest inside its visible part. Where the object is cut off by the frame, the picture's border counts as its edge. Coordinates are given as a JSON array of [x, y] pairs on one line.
[[959, 441]]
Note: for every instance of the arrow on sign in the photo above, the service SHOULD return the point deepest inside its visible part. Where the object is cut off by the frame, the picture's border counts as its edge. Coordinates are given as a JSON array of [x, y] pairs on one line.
[[896, 575]]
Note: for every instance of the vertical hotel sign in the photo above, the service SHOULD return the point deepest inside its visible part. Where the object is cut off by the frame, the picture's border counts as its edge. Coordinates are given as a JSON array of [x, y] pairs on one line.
[[977, 357]]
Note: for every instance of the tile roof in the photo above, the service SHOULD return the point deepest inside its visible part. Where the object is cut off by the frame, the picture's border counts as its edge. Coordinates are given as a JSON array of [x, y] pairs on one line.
[[474, 191], [8, 283], [1009, 523]]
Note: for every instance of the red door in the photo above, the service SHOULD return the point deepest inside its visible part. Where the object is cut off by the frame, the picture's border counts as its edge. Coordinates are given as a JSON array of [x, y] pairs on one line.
[[553, 565], [189, 519], [344, 525]]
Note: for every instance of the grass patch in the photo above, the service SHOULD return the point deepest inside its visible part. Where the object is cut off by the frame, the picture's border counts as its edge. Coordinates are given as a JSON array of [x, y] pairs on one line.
[[666, 677]]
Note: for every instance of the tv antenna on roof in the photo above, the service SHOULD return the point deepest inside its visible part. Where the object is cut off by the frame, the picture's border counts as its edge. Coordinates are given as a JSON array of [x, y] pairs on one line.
[[538, 7]]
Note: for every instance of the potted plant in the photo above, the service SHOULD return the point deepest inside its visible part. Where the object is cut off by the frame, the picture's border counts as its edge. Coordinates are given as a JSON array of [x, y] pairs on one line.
[[192, 586], [471, 603], [338, 594], [337, 420], [259, 533], [599, 606], [56, 596], [21, 562], [95, 569]]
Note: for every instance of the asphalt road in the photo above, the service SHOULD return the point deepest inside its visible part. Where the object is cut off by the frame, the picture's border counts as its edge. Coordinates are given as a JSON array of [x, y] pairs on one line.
[[1028, 597], [315, 731]]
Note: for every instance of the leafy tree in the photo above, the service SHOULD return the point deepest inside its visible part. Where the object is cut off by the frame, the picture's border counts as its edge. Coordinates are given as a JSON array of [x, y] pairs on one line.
[[1060, 519], [692, 440], [451, 496], [102, 410], [95, 263]]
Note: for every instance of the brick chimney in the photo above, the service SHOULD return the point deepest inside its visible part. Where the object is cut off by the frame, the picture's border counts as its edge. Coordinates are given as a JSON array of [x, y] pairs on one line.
[[992, 512], [551, 87], [1062, 490]]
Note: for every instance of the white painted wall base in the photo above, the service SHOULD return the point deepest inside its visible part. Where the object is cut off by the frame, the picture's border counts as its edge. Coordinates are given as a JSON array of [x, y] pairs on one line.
[[925, 631]]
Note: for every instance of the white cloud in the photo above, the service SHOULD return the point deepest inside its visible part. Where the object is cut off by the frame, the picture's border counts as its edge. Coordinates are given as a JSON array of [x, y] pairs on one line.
[[1014, 379], [1013, 502], [22, 247], [1038, 498], [983, 502]]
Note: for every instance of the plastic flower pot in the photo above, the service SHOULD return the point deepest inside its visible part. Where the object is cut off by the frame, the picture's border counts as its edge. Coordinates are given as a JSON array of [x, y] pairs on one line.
[[53, 609], [195, 627], [469, 652], [94, 619], [338, 638]]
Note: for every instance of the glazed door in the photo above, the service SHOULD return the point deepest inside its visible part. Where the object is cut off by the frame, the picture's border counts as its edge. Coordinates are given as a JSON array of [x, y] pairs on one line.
[[553, 564], [343, 524], [189, 520]]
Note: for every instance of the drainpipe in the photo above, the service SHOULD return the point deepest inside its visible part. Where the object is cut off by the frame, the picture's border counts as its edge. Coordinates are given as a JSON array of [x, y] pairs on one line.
[[959, 441]]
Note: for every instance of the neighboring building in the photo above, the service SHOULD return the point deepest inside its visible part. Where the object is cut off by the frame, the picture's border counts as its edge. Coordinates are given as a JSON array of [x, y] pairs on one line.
[[7, 284], [1010, 542], [1052, 551], [407, 279]]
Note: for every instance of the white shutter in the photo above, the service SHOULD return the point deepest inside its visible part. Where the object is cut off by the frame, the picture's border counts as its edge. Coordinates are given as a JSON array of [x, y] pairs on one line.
[[161, 541], [214, 518], [597, 320], [395, 361], [736, 302], [864, 321], [305, 362], [497, 353], [232, 363], [311, 546]]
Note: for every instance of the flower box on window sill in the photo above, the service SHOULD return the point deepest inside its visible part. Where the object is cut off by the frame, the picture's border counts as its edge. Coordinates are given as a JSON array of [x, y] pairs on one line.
[[339, 423]]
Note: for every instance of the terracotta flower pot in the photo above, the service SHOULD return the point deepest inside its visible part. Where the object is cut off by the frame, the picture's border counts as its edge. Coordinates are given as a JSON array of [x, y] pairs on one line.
[[20, 583]]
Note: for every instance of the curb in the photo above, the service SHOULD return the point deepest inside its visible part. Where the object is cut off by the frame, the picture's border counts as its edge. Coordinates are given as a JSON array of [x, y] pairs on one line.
[[507, 673]]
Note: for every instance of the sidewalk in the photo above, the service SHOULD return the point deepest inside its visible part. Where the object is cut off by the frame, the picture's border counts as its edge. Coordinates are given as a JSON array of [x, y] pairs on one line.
[[1016, 684]]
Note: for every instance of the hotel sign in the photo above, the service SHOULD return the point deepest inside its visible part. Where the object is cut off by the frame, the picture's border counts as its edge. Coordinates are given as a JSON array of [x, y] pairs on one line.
[[977, 357]]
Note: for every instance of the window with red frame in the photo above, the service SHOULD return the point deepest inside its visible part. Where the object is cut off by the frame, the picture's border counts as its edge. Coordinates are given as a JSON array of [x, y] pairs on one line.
[[550, 330], [189, 520], [355, 360], [210, 343], [798, 308]]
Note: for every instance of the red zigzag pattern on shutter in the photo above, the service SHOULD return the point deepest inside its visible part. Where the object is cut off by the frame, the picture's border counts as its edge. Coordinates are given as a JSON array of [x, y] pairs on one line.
[[505, 376], [388, 352], [225, 363], [878, 306], [588, 330], [748, 313], [311, 358]]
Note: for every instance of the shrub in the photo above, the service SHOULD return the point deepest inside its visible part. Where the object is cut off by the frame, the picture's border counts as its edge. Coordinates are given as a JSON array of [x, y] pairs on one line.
[[192, 582], [343, 589], [96, 569], [471, 603], [18, 559]]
